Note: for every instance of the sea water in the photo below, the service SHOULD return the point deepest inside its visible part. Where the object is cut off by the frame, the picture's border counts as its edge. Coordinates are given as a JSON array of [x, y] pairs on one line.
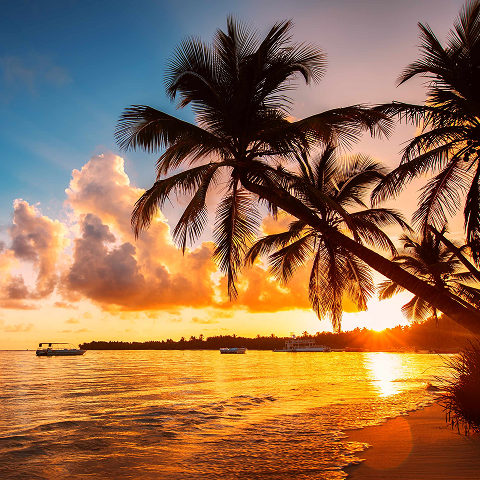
[[199, 414]]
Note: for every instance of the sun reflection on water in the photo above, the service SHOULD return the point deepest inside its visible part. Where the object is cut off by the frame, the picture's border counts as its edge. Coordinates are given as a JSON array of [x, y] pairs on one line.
[[385, 368]]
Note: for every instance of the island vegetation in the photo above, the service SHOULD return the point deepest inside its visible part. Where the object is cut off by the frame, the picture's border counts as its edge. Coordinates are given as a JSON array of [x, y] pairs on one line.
[[446, 336]]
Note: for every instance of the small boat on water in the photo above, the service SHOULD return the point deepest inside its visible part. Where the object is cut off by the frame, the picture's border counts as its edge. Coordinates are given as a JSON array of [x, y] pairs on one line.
[[234, 350], [51, 349], [294, 344]]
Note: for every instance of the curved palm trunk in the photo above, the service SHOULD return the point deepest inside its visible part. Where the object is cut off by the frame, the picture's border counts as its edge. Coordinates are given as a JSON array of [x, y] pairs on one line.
[[469, 319]]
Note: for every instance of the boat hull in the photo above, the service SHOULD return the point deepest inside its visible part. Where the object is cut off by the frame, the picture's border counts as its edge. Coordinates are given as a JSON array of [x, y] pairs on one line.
[[234, 351], [297, 350], [59, 353]]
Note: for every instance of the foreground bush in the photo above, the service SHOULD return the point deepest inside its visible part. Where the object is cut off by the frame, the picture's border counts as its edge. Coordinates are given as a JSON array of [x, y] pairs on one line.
[[461, 399]]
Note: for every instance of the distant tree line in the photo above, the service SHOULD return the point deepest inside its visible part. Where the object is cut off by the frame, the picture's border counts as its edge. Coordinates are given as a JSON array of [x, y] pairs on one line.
[[427, 335]]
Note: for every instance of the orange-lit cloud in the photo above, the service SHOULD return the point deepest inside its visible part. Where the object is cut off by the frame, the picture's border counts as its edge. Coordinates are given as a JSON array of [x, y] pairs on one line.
[[19, 327], [72, 320], [271, 225], [65, 305], [95, 257], [39, 240]]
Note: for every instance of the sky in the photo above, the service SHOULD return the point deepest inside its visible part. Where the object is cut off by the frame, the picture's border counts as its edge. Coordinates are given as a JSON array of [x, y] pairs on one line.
[[71, 269]]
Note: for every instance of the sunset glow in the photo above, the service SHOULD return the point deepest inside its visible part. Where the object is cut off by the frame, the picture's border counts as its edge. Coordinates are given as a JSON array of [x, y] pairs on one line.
[[71, 268]]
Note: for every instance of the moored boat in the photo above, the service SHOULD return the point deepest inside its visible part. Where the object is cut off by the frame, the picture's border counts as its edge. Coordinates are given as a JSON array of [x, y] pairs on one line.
[[50, 349], [295, 344], [234, 350]]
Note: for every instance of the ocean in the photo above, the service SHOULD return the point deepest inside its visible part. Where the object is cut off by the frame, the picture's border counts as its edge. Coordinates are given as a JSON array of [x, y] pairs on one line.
[[199, 414]]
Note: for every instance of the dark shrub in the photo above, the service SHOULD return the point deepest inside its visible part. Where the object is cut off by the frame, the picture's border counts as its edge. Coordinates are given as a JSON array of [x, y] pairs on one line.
[[461, 399]]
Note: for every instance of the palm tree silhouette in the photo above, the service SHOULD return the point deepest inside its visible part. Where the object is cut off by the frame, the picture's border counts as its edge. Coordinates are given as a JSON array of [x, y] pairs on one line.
[[429, 259], [237, 89], [336, 273], [449, 142]]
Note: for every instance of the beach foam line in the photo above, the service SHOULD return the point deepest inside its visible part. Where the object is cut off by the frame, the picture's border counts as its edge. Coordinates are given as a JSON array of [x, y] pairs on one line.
[[417, 446]]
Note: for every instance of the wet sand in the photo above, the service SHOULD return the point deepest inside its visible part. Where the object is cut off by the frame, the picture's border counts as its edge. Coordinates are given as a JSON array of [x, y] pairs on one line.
[[416, 447]]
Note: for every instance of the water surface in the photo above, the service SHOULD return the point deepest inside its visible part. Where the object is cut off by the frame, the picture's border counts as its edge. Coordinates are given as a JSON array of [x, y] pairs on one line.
[[198, 414]]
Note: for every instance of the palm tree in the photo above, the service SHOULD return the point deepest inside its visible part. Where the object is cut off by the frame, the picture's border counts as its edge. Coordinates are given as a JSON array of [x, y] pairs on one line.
[[336, 273], [237, 89], [458, 251], [449, 141], [429, 259]]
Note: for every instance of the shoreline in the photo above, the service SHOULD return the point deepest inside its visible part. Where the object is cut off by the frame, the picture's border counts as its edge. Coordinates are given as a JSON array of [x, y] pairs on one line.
[[416, 446]]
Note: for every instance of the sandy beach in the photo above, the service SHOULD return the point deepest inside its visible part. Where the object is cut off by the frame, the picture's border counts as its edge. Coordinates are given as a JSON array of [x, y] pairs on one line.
[[417, 446]]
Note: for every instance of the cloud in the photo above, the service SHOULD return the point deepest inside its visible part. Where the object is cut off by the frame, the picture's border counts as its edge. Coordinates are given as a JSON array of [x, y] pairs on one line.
[[39, 240], [175, 319], [19, 327], [271, 225], [204, 321], [72, 320], [113, 269], [82, 330], [16, 289], [65, 305], [31, 72], [18, 305], [259, 292], [118, 273]]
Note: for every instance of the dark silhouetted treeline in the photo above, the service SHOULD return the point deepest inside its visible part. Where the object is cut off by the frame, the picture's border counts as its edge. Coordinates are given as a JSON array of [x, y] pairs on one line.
[[423, 336]]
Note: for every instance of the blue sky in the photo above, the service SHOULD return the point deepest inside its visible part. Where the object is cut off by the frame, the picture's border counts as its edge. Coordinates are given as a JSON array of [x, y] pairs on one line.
[[67, 70]]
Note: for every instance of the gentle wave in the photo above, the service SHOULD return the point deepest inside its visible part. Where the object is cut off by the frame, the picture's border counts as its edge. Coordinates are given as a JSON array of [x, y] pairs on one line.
[[122, 415]]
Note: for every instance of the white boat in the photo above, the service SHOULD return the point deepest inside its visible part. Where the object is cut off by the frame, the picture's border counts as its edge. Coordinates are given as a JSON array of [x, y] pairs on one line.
[[234, 350], [51, 349], [298, 344]]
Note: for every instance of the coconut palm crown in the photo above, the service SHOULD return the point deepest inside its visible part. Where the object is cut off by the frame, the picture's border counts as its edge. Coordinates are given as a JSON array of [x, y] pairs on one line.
[[429, 259], [237, 88], [336, 273], [448, 144]]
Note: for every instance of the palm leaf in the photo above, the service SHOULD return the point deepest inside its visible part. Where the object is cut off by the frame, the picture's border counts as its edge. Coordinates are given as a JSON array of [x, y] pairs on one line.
[[472, 216], [195, 216], [418, 309], [387, 289], [265, 245], [344, 125], [154, 198], [150, 129], [286, 261], [236, 225], [441, 193]]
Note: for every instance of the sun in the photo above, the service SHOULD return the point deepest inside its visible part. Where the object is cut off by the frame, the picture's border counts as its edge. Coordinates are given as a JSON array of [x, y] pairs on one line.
[[379, 316]]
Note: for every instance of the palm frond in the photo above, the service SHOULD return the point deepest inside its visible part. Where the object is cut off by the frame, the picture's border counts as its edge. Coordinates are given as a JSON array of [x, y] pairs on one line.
[[418, 309], [286, 261], [355, 178], [194, 218], [145, 127], [183, 183], [468, 293], [387, 289], [372, 235], [325, 285], [267, 244], [472, 216], [343, 126], [464, 277], [236, 226], [360, 286], [395, 181], [441, 193]]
